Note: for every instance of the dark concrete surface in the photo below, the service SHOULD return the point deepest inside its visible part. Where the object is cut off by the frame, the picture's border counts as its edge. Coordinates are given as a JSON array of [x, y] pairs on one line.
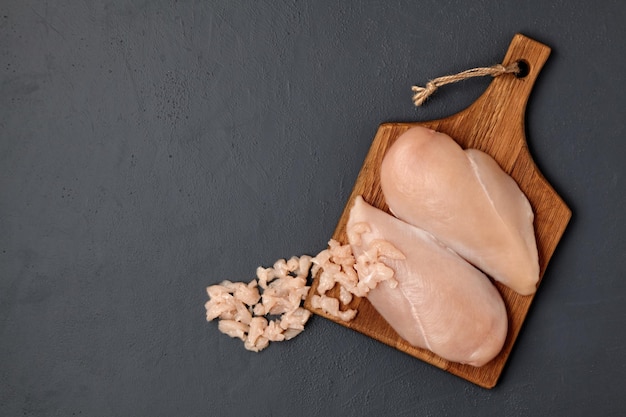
[[151, 148]]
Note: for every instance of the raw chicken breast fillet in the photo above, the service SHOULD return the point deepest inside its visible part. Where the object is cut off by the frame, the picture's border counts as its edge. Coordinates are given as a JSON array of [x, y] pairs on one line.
[[441, 302], [467, 201]]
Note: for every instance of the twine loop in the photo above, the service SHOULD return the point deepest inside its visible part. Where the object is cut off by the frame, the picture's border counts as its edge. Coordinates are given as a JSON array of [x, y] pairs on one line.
[[422, 93]]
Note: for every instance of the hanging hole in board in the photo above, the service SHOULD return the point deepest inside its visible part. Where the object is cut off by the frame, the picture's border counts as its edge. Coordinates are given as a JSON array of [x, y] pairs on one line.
[[523, 68]]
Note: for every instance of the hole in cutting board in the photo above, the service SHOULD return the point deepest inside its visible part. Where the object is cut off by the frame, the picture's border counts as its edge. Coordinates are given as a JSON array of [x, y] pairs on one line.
[[524, 69]]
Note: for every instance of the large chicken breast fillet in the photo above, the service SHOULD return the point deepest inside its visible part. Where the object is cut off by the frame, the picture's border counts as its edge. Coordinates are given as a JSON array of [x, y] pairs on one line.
[[467, 201]]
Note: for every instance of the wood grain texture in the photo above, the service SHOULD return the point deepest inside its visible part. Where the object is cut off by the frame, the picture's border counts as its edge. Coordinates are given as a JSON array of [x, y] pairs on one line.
[[494, 123]]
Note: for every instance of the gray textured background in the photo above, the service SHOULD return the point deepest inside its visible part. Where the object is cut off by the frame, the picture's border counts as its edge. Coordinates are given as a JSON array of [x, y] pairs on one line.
[[151, 148]]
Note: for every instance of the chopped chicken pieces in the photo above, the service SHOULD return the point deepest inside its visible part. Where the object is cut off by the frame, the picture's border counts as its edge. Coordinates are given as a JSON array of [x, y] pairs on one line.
[[242, 308], [355, 276], [295, 319], [273, 332], [279, 290], [330, 306]]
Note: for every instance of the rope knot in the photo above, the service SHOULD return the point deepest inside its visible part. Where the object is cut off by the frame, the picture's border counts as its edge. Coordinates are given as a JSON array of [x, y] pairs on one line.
[[422, 93]]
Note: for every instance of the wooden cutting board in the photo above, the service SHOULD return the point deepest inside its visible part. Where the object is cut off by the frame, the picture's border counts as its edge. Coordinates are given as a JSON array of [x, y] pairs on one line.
[[494, 123]]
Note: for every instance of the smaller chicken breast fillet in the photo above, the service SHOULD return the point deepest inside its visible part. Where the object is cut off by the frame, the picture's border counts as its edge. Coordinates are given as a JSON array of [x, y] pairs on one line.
[[441, 302]]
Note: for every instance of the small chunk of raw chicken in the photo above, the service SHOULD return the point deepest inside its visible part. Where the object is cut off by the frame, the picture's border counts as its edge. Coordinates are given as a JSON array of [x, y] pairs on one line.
[[256, 341], [330, 306], [233, 328], [441, 302], [467, 201]]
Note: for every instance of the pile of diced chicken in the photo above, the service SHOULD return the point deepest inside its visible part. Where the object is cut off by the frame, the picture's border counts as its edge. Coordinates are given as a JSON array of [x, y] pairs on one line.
[[355, 276], [245, 310]]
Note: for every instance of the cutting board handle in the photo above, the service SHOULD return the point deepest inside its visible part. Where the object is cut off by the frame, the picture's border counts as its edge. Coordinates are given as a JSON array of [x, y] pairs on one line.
[[531, 55], [497, 117]]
